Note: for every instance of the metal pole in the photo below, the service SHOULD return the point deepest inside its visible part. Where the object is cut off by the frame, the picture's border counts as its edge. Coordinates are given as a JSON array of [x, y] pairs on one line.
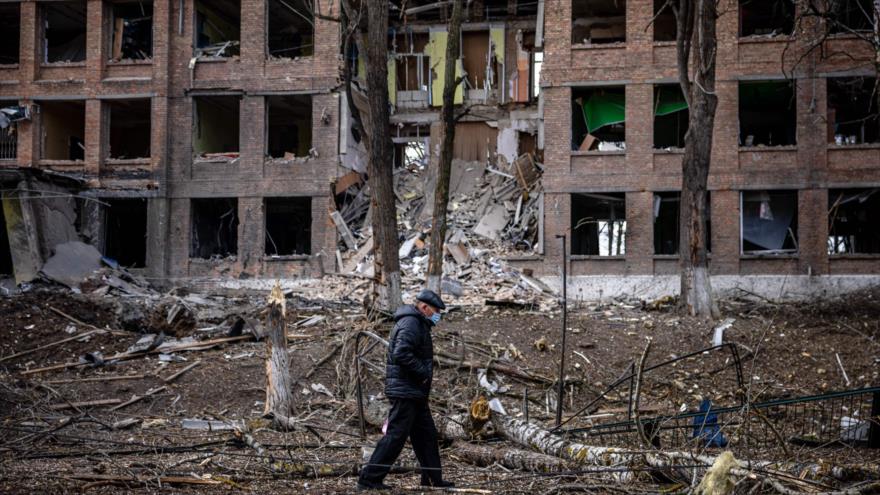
[[561, 393], [360, 397]]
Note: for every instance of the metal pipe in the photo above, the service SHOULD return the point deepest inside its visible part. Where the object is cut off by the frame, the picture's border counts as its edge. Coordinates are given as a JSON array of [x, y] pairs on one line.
[[560, 395]]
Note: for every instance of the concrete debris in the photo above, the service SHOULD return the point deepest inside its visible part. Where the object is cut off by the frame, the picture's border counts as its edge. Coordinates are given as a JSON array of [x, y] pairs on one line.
[[72, 263]]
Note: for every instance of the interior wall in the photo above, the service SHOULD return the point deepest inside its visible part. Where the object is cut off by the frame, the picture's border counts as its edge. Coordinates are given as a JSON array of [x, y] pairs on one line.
[[216, 124], [474, 51], [63, 122], [474, 141]]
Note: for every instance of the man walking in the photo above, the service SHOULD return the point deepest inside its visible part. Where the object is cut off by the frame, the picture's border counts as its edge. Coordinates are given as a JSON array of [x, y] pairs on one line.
[[408, 373]]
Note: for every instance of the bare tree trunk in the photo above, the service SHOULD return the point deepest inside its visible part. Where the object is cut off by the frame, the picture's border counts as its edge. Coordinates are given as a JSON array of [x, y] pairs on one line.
[[447, 117], [696, 29], [522, 460], [278, 392], [387, 288]]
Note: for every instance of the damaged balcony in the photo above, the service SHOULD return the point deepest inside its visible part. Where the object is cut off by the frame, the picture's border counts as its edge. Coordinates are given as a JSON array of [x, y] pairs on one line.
[[289, 127], [598, 119], [766, 18], [217, 29], [291, 29], [670, 117], [852, 222], [216, 128], [63, 33], [10, 35], [769, 223], [852, 111], [131, 36], [767, 114], [129, 137], [411, 70], [598, 22], [63, 129], [214, 228], [598, 225], [288, 228]]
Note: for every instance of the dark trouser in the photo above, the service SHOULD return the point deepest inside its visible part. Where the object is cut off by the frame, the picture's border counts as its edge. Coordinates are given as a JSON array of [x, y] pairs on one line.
[[409, 418]]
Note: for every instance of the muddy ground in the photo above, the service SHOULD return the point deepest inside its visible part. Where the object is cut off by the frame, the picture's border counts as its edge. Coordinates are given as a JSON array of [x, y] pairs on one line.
[[50, 446]]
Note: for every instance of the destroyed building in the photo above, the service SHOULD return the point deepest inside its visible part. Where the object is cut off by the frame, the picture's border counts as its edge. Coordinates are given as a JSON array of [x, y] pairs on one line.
[[205, 139]]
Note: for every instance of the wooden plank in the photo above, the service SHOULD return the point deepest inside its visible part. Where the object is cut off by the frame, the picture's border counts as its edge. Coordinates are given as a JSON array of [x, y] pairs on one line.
[[53, 344], [95, 379], [89, 403], [343, 229], [118, 28], [181, 372], [138, 398]]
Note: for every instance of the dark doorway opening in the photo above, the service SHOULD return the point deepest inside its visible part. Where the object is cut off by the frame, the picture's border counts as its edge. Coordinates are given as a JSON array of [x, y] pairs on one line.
[[288, 226], [214, 228], [6, 266], [125, 232]]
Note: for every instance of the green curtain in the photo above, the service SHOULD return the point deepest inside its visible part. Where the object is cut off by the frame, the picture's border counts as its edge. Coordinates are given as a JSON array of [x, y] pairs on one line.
[[603, 109], [669, 100]]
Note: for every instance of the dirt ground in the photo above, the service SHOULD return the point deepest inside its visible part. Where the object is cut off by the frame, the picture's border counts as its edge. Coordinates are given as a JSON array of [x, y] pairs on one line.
[[50, 445]]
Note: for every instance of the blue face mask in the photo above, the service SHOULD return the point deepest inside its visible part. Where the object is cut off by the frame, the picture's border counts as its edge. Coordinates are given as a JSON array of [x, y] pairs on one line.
[[435, 318]]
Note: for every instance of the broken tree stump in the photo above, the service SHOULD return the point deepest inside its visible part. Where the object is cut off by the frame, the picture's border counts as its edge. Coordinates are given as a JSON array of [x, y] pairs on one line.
[[278, 392]]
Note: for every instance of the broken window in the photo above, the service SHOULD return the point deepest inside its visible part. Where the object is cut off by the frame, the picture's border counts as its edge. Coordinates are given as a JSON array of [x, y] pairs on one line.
[[291, 29], [537, 64], [63, 129], [132, 35], [598, 21], [769, 222], [125, 231], [10, 32], [766, 17], [218, 28], [214, 228], [598, 224], [670, 116], [667, 208], [664, 21], [64, 31], [288, 226], [598, 119], [852, 221], [6, 265], [129, 123], [289, 131], [215, 125], [852, 110], [767, 114], [412, 155], [846, 16], [412, 70]]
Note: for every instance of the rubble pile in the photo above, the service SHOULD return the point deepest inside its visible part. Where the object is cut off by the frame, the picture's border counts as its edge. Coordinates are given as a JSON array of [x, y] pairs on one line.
[[494, 215]]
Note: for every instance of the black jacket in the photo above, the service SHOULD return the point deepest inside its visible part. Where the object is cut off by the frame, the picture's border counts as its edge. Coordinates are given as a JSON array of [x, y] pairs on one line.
[[410, 366]]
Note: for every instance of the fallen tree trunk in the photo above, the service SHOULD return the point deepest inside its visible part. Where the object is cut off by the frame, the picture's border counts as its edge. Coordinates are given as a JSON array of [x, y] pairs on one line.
[[538, 438], [518, 459], [451, 427], [453, 361]]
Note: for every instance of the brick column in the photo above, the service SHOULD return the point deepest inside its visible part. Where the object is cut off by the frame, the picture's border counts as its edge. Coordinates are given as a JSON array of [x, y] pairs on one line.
[[95, 137], [725, 233], [725, 141], [639, 132], [557, 220], [251, 144], [639, 233], [813, 231], [179, 237], [29, 51], [96, 48], [323, 232], [251, 234], [254, 23]]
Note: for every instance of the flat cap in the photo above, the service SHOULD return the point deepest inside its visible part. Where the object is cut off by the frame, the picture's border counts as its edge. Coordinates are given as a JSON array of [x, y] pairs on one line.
[[430, 297]]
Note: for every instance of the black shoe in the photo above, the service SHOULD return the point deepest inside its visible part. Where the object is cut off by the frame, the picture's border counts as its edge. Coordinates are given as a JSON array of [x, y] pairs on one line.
[[363, 486], [439, 484]]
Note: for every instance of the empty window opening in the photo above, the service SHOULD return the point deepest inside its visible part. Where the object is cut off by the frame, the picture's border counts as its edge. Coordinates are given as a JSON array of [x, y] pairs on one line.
[[852, 221], [10, 32], [291, 29], [132, 34], [290, 125], [846, 16], [64, 32], [598, 21], [769, 222], [767, 114], [667, 210], [664, 21], [598, 119], [526, 7], [766, 17], [218, 28], [598, 224], [494, 9], [125, 231], [129, 122], [214, 228], [288, 226], [537, 64], [64, 130], [6, 265], [411, 155], [670, 116], [215, 126], [412, 64], [852, 110], [10, 113]]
